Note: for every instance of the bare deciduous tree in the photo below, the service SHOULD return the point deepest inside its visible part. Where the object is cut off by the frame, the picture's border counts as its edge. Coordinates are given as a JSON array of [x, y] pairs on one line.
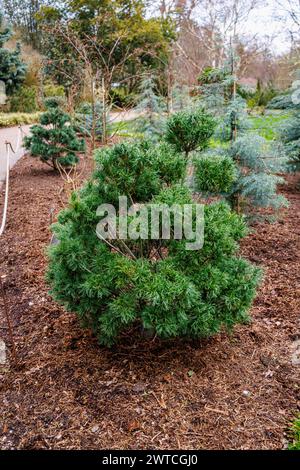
[[288, 12]]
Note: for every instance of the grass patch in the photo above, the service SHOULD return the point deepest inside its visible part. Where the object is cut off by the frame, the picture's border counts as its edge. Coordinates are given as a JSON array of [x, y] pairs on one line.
[[268, 125], [295, 435], [124, 129], [17, 119]]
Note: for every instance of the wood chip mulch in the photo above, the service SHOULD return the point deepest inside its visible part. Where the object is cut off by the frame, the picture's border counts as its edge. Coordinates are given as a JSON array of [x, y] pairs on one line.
[[235, 391]]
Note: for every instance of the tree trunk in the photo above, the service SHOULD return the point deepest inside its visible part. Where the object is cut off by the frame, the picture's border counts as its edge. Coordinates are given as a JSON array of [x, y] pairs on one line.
[[93, 129], [104, 111]]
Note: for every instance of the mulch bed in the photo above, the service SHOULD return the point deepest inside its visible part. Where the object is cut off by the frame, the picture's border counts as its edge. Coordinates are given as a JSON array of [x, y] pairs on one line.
[[235, 391]]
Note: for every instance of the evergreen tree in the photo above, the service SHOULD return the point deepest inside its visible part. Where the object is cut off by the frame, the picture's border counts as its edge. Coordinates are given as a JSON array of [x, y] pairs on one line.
[[283, 101], [290, 136], [290, 130], [54, 140], [261, 96], [233, 121], [86, 123], [12, 68], [257, 161], [215, 87], [152, 108], [158, 284], [250, 168], [190, 130], [220, 93], [287, 100], [181, 98]]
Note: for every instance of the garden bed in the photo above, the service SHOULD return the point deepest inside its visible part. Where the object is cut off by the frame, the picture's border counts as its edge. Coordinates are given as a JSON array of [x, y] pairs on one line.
[[235, 391]]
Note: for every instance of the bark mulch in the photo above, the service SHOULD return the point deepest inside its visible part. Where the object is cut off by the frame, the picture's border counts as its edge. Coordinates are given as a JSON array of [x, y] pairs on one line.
[[235, 391]]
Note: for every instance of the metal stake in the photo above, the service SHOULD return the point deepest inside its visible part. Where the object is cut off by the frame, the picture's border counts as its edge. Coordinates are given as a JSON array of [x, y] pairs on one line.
[[6, 310]]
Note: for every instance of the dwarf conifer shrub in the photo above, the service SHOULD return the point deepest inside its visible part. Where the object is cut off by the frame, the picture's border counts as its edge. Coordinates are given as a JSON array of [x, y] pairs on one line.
[[171, 165], [190, 130], [54, 140], [281, 102], [155, 283], [215, 174]]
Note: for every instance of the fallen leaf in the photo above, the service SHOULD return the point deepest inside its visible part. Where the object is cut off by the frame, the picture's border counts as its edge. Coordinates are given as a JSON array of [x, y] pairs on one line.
[[133, 426]]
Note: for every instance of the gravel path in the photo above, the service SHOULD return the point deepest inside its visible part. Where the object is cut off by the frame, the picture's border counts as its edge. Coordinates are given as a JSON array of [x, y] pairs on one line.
[[127, 115], [10, 134]]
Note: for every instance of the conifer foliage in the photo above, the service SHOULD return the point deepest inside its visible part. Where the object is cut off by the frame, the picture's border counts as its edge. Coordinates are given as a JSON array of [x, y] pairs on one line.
[[190, 130], [290, 136], [12, 68], [151, 106], [54, 140], [253, 183], [157, 284], [290, 130], [88, 120], [215, 174], [258, 162], [181, 98], [245, 173]]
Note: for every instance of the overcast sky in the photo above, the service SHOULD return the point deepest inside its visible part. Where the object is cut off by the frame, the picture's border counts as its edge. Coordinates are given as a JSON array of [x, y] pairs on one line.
[[262, 21]]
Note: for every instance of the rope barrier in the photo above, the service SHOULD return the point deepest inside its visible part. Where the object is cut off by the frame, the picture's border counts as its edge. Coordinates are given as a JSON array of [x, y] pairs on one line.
[[6, 189], [9, 148]]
